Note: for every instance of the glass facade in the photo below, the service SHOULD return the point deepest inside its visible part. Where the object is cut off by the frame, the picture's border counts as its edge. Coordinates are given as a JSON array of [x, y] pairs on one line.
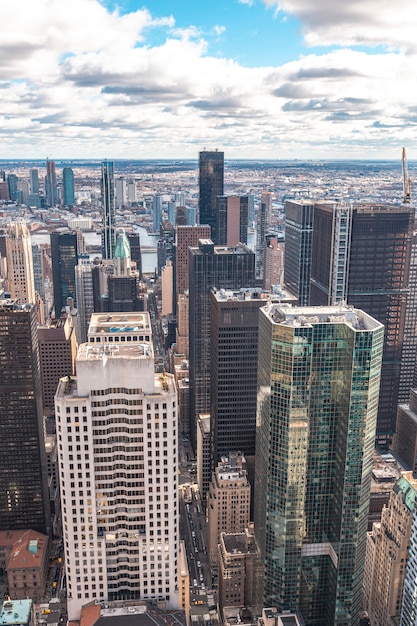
[[318, 385], [299, 219], [108, 205], [24, 497], [210, 266], [64, 261], [211, 182]]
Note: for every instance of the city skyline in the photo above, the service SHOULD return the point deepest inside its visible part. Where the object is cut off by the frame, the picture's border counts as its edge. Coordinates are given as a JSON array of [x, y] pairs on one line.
[[256, 78]]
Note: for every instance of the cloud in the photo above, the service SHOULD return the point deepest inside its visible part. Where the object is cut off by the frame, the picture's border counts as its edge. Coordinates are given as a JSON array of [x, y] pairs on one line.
[[81, 78], [356, 22]]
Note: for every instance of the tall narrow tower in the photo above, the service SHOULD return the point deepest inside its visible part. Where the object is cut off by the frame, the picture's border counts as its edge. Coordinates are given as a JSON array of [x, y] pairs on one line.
[[68, 186], [20, 263], [51, 188], [119, 468], [210, 266], [24, 497], [211, 179], [108, 234], [318, 384], [64, 261]]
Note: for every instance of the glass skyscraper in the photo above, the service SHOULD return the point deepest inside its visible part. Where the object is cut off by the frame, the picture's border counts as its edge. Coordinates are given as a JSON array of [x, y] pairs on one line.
[[24, 496], [108, 234], [68, 186], [318, 385], [211, 181]]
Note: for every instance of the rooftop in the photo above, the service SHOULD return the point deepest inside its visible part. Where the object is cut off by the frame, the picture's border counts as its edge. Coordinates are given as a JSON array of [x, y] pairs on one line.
[[119, 323], [295, 316], [16, 612]]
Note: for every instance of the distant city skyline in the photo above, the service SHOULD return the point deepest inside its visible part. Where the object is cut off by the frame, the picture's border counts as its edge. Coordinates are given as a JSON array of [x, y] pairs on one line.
[[254, 78]]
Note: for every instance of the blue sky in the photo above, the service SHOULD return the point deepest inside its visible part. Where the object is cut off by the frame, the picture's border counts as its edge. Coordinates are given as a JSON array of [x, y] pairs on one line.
[[162, 79], [253, 34]]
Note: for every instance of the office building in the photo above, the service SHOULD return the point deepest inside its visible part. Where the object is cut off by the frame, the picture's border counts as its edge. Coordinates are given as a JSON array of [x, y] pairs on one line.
[[24, 562], [404, 442], [232, 220], [318, 386], [361, 254], [20, 263], [108, 234], [4, 190], [187, 236], [203, 455], [119, 484], [237, 555], [263, 220], [219, 267], [274, 262], [135, 251], [387, 554], [121, 192], [408, 377], [157, 213], [64, 255], [234, 364], [57, 352], [409, 600], [211, 185], [299, 220], [84, 295], [68, 186], [123, 284], [12, 181], [34, 180], [24, 498], [51, 189], [228, 501]]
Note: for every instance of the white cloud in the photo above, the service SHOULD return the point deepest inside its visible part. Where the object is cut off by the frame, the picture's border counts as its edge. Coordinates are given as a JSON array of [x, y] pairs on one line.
[[354, 22], [81, 81]]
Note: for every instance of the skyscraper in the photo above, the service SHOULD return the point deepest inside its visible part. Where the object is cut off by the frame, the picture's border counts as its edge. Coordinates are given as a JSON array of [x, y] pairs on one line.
[[64, 260], [68, 186], [219, 267], [51, 188], [299, 220], [108, 234], [24, 497], [211, 181], [318, 385], [361, 254], [386, 554], [34, 180], [12, 180], [232, 220], [234, 364], [263, 220], [57, 352], [119, 484], [20, 264]]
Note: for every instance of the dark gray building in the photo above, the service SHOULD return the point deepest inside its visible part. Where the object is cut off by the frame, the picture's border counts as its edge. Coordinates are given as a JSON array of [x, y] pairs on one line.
[[210, 267], [64, 261], [299, 220], [24, 497], [211, 181]]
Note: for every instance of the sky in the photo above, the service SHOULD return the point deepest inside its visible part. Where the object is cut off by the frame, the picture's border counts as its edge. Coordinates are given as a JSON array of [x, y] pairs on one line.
[[258, 79]]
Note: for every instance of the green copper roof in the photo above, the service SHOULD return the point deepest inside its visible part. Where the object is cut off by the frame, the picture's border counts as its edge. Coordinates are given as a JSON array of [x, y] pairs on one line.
[[408, 491], [122, 249]]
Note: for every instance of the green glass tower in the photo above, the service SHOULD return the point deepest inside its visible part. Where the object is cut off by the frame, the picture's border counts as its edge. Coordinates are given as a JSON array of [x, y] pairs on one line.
[[318, 384]]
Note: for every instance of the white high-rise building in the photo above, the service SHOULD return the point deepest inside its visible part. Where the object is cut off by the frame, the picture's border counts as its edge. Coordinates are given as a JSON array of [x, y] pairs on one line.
[[118, 451]]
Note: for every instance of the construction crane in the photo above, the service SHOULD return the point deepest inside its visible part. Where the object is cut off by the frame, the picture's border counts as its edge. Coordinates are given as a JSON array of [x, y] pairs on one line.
[[406, 179]]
